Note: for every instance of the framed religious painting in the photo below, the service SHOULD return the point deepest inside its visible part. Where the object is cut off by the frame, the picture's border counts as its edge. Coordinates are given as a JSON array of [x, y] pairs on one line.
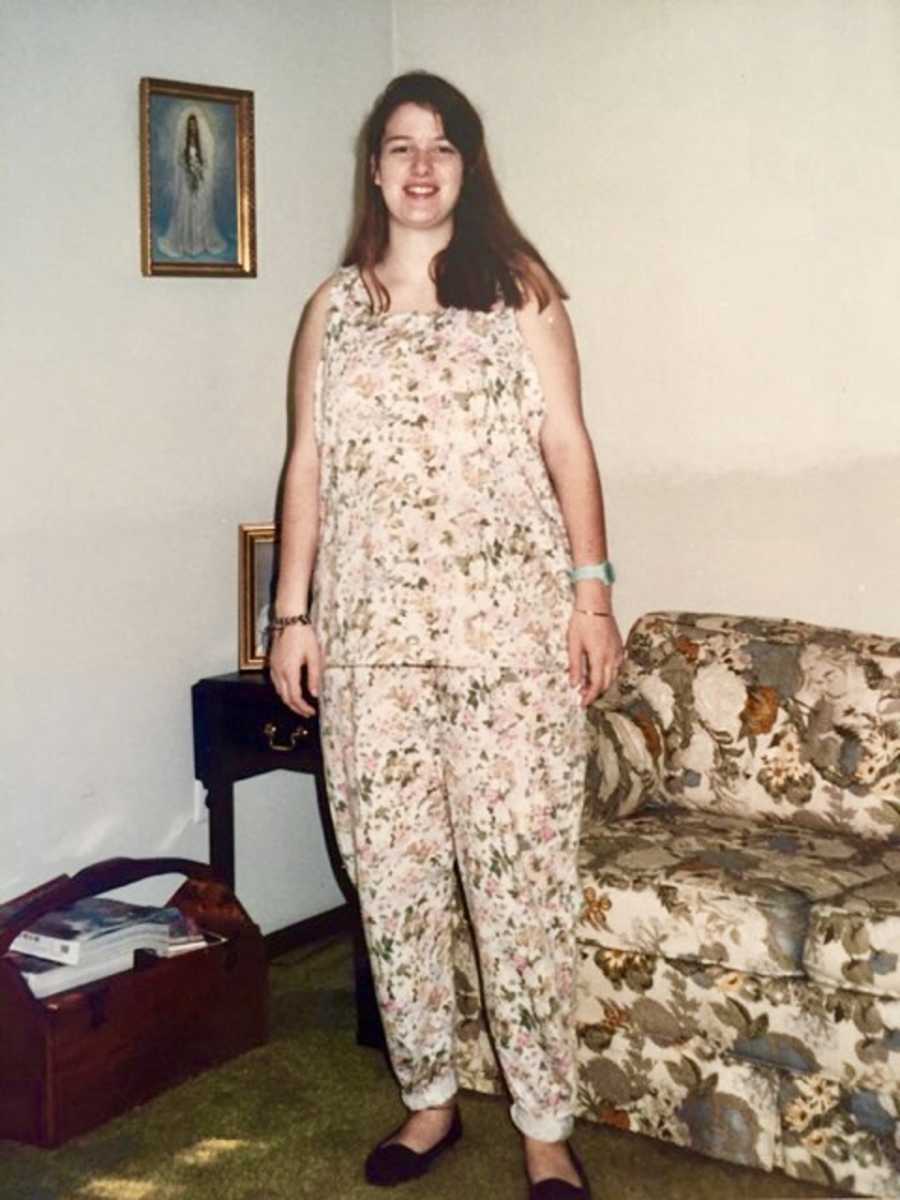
[[257, 571], [198, 198]]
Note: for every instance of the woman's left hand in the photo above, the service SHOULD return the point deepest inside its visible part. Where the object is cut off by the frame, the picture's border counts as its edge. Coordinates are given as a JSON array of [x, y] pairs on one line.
[[595, 654]]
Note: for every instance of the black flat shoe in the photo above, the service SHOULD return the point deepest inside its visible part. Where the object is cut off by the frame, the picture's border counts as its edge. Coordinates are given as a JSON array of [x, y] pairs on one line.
[[559, 1189], [389, 1165]]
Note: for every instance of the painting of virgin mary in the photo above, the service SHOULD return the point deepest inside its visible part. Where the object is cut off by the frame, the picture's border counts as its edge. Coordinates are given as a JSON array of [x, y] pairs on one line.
[[198, 201], [192, 229]]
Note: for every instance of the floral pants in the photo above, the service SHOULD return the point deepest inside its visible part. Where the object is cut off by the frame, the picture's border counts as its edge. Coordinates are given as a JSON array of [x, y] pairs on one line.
[[431, 766]]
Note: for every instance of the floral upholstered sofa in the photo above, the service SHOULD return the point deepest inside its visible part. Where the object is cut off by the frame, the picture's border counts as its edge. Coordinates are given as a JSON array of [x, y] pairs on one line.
[[739, 987]]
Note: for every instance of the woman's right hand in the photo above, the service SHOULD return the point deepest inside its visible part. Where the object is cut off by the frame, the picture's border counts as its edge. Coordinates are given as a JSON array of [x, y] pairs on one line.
[[293, 648]]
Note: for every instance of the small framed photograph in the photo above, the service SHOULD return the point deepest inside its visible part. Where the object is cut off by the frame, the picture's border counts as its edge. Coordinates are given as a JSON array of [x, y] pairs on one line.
[[258, 567], [198, 197]]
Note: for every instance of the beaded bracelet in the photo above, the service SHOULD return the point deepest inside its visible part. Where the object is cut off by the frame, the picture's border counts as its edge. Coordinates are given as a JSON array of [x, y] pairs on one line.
[[278, 623]]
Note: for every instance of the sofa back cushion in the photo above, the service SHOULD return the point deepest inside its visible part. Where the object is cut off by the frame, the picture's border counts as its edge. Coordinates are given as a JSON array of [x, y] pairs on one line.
[[774, 720]]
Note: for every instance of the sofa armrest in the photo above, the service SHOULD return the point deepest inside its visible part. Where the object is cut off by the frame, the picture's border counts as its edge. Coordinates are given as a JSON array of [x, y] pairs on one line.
[[625, 757]]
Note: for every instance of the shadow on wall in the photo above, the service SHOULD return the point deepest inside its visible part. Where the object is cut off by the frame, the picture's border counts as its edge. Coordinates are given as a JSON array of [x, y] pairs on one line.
[[817, 544]]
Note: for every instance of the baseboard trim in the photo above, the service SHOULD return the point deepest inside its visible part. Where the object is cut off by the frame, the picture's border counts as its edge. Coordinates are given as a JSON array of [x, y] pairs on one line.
[[327, 924]]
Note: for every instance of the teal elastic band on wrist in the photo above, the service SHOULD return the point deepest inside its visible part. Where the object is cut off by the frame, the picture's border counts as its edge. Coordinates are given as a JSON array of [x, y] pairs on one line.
[[602, 571]]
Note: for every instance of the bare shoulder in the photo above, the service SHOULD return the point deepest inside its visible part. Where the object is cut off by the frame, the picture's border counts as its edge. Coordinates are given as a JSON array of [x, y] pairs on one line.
[[546, 330], [316, 308], [548, 334], [315, 317]]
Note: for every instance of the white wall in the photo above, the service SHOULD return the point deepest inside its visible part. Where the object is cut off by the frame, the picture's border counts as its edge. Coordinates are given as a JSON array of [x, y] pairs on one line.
[[144, 419], [718, 183]]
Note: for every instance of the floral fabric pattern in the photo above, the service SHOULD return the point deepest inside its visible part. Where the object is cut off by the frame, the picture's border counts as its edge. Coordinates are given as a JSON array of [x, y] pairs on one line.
[[764, 1071], [738, 988], [625, 764], [855, 941], [781, 719], [441, 541], [692, 884], [424, 766]]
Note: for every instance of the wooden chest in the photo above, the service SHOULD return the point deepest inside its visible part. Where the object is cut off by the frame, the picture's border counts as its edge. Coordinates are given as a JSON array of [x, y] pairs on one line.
[[75, 1059]]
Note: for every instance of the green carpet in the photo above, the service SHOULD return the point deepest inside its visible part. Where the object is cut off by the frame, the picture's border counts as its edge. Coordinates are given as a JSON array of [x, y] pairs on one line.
[[296, 1117]]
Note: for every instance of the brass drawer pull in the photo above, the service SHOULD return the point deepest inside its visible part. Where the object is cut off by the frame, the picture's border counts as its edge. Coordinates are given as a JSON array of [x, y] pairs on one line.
[[271, 732]]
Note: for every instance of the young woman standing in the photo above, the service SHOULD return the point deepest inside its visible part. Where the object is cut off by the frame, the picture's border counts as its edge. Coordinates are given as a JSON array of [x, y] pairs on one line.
[[441, 485]]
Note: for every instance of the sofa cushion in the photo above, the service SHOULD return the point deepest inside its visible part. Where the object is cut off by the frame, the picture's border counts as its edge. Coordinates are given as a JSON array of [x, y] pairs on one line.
[[780, 719], [688, 884], [646, 1024], [706, 1011], [854, 939], [624, 767]]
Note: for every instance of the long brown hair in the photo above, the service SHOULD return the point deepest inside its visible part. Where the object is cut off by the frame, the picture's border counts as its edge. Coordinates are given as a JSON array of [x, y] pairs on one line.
[[487, 253]]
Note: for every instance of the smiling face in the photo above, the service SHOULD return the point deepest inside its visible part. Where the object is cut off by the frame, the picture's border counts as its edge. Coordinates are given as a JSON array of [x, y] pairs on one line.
[[419, 171]]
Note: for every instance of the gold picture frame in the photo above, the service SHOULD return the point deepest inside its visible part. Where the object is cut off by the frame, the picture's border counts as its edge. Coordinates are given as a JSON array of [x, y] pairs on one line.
[[257, 570], [198, 190]]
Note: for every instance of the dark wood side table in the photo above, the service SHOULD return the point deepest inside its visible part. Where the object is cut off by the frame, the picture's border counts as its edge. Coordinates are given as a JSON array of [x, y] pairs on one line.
[[242, 729]]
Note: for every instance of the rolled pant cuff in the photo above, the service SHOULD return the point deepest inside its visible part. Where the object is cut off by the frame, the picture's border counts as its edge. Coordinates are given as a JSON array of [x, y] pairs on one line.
[[439, 1091], [543, 1128]]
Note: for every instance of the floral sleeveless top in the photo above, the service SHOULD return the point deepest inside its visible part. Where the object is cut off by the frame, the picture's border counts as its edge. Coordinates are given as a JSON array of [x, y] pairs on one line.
[[441, 541]]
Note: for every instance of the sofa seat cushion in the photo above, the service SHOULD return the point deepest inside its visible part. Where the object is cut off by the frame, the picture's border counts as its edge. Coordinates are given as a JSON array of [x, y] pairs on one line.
[[682, 1050], [689, 884], [854, 939], [681, 1006]]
